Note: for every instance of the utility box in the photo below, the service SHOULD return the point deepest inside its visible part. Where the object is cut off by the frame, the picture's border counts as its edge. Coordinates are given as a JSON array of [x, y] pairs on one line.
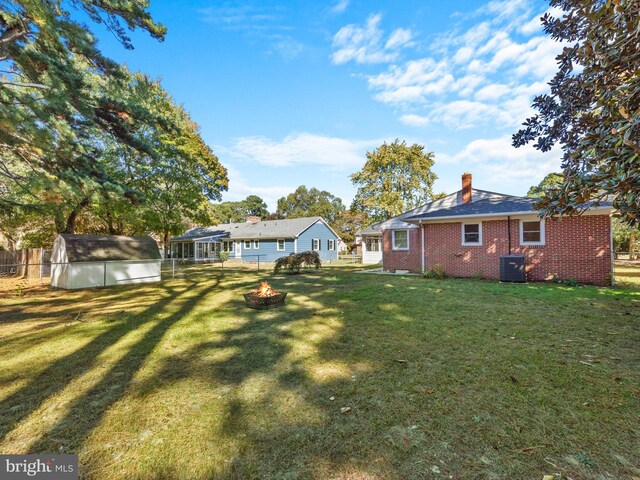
[[512, 268]]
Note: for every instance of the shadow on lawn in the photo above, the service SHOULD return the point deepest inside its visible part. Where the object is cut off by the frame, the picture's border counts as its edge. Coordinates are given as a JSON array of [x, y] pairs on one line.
[[62, 372]]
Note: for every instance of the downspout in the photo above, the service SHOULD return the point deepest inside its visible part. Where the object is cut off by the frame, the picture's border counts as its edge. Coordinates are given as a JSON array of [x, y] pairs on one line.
[[422, 228], [611, 255], [509, 232]]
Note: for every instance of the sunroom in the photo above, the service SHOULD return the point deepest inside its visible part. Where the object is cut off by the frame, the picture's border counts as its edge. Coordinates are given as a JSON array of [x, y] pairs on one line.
[[199, 249]]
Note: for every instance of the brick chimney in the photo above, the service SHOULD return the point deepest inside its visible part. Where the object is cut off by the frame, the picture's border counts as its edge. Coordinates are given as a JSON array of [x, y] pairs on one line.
[[466, 187], [253, 219]]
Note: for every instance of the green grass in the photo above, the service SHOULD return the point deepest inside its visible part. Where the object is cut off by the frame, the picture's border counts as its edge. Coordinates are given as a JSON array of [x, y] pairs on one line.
[[450, 378]]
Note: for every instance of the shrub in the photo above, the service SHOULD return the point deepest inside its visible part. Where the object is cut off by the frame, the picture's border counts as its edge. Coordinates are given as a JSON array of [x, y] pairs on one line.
[[437, 272], [295, 261]]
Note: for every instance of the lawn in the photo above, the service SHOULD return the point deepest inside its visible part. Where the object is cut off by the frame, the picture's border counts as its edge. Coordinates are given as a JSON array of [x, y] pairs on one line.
[[450, 379]]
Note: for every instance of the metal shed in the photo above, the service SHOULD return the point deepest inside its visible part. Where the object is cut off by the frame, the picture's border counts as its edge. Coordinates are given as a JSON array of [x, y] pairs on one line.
[[81, 261]]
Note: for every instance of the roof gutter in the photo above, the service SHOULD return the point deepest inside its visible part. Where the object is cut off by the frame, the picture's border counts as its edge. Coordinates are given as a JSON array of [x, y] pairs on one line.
[[420, 221]]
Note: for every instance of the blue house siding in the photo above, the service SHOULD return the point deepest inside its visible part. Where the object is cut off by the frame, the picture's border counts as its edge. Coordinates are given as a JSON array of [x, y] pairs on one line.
[[320, 231], [267, 249]]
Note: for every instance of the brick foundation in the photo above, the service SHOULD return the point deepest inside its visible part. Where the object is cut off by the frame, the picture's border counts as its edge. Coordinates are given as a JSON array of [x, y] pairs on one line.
[[575, 247]]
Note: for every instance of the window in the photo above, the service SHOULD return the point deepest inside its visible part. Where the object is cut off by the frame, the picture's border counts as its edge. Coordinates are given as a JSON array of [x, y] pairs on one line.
[[256, 244], [247, 244], [331, 244], [532, 232], [226, 247], [372, 244], [280, 246], [471, 234], [315, 244], [400, 239]]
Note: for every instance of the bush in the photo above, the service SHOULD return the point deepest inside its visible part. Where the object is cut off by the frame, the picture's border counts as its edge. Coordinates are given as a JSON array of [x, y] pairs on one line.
[[437, 272], [295, 261]]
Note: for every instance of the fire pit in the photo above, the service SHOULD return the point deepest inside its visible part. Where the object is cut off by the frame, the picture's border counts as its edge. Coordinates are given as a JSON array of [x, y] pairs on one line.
[[265, 297]]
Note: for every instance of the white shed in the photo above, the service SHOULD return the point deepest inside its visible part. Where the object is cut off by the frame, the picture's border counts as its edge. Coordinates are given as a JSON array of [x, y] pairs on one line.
[[81, 261]]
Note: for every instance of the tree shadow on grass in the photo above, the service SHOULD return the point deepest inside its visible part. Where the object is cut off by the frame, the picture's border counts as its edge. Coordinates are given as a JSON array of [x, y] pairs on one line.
[[19, 405]]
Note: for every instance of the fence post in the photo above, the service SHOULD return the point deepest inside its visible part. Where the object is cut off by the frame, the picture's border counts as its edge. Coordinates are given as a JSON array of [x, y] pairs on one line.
[[173, 269], [41, 264], [104, 281], [258, 262]]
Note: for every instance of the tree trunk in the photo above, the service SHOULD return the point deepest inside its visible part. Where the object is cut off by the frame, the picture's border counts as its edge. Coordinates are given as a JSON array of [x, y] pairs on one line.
[[70, 226], [632, 245], [165, 240]]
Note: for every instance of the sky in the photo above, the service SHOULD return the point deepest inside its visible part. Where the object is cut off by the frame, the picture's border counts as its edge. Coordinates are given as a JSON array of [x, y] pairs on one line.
[[296, 93]]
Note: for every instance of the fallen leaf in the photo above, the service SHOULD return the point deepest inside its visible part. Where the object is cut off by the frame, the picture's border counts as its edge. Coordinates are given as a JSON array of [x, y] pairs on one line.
[[429, 391], [344, 410]]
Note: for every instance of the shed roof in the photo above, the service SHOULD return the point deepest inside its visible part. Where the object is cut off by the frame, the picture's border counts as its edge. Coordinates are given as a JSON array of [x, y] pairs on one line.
[[265, 229], [91, 248]]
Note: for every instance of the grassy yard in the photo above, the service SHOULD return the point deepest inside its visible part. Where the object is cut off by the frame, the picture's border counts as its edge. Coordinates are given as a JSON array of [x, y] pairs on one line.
[[453, 379]]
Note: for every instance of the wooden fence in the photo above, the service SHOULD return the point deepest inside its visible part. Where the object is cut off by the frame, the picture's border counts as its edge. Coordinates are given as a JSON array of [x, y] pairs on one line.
[[25, 263]]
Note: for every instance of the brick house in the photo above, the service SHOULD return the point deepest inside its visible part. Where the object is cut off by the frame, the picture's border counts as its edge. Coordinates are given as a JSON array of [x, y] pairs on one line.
[[468, 231]]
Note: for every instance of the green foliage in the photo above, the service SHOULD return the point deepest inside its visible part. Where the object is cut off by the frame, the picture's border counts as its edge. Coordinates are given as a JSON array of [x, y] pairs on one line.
[[347, 224], [294, 262], [237, 212], [550, 182], [593, 109], [223, 256], [624, 236], [310, 203], [394, 179], [437, 272], [59, 93]]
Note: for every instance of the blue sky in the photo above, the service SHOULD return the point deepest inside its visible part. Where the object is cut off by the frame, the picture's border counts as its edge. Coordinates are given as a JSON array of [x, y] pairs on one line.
[[296, 93]]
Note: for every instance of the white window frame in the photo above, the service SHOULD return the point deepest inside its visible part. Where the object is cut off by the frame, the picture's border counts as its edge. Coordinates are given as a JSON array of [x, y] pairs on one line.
[[247, 247], [393, 240], [315, 244], [278, 245], [541, 242], [256, 244], [331, 244], [472, 244]]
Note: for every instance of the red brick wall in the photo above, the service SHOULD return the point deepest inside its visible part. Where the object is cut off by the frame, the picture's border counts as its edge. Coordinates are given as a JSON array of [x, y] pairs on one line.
[[393, 260], [575, 247]]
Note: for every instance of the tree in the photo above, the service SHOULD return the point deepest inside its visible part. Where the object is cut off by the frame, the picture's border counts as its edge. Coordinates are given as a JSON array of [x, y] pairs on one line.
[[312, 202], [395, 178], [59, 93], [347, 224], [593, 108], [255, 206], [237, 212], [549, 182]]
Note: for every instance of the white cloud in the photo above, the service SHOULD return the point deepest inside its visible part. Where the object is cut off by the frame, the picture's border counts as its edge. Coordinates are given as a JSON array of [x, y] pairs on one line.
[[474, 77], [365, 44], [303, 149], [340, 6], [498, 166], [414, 120], [399, 38]]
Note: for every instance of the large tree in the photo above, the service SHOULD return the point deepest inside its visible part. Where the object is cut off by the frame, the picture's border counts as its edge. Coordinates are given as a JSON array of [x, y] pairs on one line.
[[395, 178], [593, 108], [304, 202], [235, 212], [549, 182], [58, 93]]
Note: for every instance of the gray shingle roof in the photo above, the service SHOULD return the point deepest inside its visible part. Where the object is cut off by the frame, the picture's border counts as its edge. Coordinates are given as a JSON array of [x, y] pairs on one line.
[[287, 228], [91, 248]]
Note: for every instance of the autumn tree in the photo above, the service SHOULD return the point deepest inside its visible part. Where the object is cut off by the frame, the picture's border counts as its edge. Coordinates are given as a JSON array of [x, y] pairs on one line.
[[304, 202], [235, 212], [347, 224], [395, 178], [593, 108]]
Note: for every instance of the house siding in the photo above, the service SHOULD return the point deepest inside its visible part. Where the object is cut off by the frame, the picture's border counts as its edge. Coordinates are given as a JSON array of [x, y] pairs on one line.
[[320, 231], [268, 250], [575, 247]]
